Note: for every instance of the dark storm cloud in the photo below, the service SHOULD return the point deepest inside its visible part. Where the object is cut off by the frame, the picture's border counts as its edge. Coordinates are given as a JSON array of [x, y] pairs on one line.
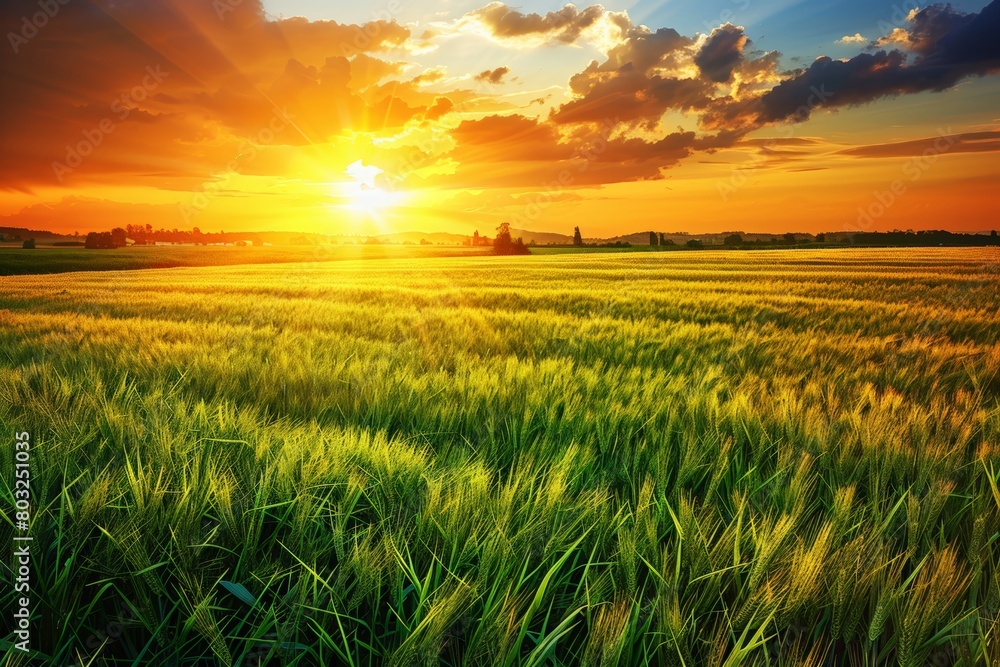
[[948, 46], [721, 53]]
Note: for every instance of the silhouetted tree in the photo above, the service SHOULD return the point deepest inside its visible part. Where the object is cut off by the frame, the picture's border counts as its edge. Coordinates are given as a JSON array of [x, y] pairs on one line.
[[653, 239], [503, 244], [695, 244], [789, 238], [29, 244], [577, 236], [821, 238], [99, 240], [119, 238], [663, 240], [733, 240]]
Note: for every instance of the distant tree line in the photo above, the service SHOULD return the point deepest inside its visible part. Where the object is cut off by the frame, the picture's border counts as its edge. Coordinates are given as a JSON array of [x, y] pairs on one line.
[[893, 238], [736, 240], [504, 244], [116, 238], [146, 235], [925, 238]]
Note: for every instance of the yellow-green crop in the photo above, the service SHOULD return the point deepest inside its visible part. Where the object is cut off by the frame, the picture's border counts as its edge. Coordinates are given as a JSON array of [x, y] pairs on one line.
[[714, 458]]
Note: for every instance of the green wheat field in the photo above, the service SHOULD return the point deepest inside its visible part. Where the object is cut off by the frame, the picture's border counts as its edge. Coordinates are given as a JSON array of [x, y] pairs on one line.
[[703, 458]]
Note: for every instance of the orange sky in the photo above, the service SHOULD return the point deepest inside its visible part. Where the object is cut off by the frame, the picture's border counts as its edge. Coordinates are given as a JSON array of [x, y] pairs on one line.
[[177, 114]]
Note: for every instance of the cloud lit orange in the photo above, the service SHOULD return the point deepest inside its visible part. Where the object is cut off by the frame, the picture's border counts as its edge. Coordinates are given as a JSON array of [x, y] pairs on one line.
[[194, 114]]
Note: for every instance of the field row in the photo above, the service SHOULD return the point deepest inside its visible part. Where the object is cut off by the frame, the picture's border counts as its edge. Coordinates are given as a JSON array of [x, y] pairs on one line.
[[784, 457]]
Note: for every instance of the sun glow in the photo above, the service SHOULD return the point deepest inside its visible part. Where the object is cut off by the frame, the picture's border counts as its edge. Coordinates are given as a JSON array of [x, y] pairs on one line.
[[366, 194], [373, 200]]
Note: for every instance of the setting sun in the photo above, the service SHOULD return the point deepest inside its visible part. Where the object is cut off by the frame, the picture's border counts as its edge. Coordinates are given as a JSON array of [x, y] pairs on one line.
[[373, 200], [546, 116], [366, 193]]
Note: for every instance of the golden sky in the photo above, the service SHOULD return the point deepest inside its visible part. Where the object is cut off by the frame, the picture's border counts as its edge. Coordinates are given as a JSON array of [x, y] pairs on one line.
[[235, 115]]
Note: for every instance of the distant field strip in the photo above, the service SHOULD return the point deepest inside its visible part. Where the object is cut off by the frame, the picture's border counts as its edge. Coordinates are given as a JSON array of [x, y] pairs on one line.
[[16, 261], [722, 458]]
